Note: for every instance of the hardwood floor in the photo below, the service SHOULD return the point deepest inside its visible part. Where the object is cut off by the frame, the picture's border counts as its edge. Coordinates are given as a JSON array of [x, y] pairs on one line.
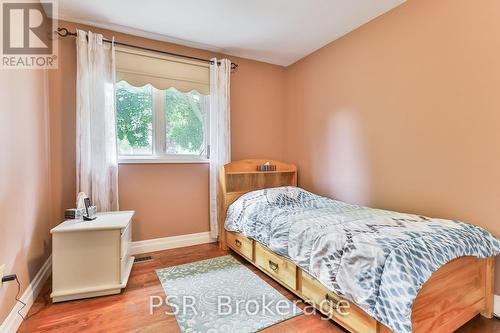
[[129, 311]]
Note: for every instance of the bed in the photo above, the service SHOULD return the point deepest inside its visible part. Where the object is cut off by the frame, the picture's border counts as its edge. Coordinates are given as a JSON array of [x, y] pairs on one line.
[[450, 296]]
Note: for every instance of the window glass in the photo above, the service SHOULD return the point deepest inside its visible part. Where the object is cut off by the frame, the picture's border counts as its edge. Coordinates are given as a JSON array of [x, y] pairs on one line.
[[164, 124], [185, 122], [134, 107]]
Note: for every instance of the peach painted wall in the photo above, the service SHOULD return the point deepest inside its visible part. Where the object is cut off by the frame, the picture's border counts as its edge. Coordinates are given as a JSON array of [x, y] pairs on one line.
[[170, 199], [24, 179], [404, 113]]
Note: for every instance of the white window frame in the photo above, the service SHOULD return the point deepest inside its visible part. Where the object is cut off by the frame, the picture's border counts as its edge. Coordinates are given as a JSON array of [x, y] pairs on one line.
[[159, 138]]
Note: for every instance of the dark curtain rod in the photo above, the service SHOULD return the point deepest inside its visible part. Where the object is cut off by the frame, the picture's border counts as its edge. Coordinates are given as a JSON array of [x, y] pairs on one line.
[[63, 32]]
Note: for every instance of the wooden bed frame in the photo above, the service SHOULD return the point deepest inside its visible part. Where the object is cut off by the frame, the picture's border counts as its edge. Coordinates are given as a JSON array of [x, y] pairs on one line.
[[453, 295]]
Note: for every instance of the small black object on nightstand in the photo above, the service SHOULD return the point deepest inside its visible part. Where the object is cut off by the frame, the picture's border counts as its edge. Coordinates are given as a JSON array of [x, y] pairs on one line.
[[87, 205]]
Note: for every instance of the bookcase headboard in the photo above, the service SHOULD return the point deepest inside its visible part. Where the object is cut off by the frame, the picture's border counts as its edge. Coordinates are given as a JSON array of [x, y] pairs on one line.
[[240, 177]]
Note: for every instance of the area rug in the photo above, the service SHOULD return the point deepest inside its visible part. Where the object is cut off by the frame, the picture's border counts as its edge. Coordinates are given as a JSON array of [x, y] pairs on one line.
[[222, 295]]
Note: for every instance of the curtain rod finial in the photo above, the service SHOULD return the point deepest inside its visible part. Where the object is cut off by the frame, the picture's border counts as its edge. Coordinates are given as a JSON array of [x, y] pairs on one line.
[[63, 32]]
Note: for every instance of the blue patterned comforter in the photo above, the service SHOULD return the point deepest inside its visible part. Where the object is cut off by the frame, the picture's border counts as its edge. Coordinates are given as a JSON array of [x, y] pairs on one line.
[[376, 258]]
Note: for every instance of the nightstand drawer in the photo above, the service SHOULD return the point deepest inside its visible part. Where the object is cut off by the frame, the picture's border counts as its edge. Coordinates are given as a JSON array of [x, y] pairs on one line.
[[240, 244]]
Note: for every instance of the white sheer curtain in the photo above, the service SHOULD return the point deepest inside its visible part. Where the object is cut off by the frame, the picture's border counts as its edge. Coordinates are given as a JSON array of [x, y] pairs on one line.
[[220, 132], [96, 152]]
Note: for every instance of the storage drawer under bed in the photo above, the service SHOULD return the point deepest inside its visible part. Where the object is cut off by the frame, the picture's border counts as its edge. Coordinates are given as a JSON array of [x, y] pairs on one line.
[[240, 244], [353, 318], [278, 267], [303, 284]]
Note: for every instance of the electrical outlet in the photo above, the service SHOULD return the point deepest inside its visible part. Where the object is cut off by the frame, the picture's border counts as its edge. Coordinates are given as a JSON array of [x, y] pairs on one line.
[[1, 273]]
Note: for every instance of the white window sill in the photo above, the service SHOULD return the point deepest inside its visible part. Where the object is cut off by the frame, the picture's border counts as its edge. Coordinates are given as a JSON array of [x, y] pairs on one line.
[[162, 160]]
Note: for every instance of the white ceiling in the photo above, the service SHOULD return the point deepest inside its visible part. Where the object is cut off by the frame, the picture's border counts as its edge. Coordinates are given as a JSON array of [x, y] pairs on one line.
[[275, 31]]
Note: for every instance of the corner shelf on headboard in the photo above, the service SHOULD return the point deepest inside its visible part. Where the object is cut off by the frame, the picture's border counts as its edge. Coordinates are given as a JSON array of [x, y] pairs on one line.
[[258, 172]]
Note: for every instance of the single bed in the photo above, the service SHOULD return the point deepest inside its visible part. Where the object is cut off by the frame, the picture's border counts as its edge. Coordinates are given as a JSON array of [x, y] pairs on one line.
[[452, 295]]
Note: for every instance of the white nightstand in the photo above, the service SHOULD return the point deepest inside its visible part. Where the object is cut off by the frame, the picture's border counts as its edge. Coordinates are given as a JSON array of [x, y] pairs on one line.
[[91, 258]]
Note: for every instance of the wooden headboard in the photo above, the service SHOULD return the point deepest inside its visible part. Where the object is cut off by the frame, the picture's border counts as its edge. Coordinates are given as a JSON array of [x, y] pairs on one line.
[[240, 177]]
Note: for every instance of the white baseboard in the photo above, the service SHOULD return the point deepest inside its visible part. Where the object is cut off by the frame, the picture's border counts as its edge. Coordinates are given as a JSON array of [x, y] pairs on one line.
[[159, 244], [13, 320], [496, 305]]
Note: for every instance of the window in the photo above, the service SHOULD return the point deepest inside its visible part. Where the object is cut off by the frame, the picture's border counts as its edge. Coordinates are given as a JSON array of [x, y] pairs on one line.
[[134, 115], [162, 108], [161, 125]]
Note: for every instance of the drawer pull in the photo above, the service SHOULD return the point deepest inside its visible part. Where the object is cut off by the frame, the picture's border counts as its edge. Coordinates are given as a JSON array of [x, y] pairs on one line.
[[332, 300], [274, 266], [237, 242]]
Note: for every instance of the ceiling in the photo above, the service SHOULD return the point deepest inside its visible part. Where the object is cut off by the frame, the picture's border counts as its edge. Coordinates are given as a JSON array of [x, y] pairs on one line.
[[274, 31]]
